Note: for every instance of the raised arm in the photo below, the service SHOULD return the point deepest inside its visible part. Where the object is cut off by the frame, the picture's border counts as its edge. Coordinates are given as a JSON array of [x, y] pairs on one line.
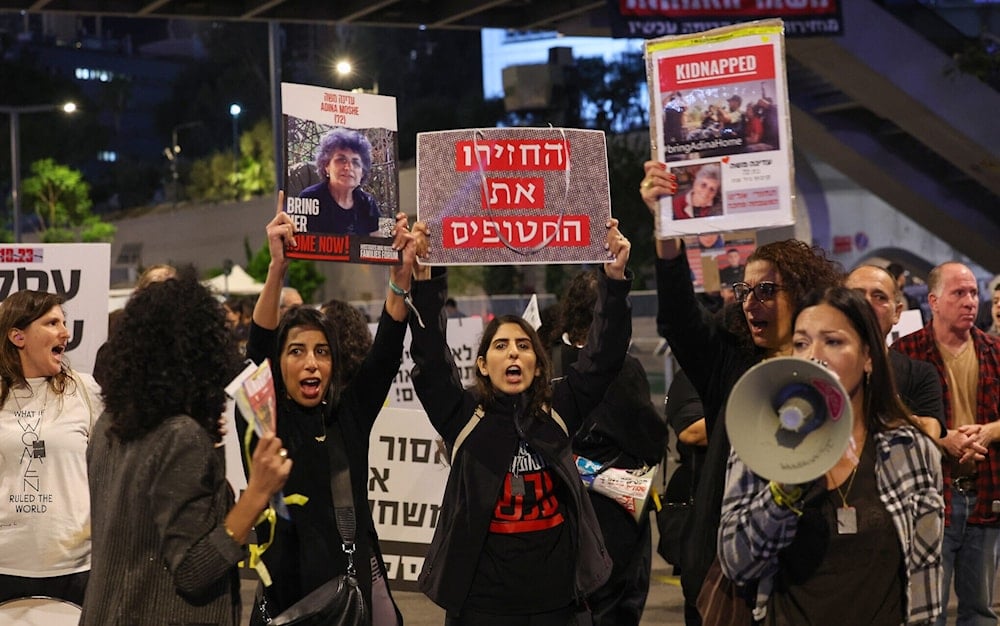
[[601, 359], [370, 385], [657, 183], [280, 234], [435, 376], [400, 275]]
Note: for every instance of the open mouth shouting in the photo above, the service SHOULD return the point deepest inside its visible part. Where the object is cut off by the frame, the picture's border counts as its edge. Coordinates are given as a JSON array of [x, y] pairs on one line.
[[311, 388], [306, 365], [42, 345]]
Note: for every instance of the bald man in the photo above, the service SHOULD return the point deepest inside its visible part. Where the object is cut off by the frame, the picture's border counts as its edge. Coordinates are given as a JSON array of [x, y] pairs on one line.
[[968, 364], [916, 381], [289, 297]]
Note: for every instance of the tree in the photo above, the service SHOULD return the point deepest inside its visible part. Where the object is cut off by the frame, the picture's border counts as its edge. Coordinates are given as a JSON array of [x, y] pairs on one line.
[[466, 280], [212, 177], [61, 199], [610, 96]]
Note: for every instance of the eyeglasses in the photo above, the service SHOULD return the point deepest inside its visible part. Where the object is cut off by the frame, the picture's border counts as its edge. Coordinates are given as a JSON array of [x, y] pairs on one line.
[[341, 161], [763, 291]]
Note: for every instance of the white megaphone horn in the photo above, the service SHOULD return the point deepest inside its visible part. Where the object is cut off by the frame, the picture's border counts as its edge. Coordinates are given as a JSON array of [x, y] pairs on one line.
[[789, 420]]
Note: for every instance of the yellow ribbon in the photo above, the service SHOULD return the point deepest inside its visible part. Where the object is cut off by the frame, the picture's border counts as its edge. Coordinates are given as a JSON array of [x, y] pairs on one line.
[[267, 515]]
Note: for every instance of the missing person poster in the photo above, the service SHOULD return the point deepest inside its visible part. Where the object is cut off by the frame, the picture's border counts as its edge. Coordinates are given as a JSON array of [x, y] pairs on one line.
[[719, 119], [342, 179], [718, 260], [514, 196]]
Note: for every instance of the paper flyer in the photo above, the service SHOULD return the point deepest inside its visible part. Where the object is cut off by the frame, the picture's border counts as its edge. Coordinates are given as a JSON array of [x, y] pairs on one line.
[[719, 118], [342, 179], [253, 391], [628, 487], [514, 196]]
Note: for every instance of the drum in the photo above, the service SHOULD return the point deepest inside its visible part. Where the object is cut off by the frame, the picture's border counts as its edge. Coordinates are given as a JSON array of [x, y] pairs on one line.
[[39, 611]]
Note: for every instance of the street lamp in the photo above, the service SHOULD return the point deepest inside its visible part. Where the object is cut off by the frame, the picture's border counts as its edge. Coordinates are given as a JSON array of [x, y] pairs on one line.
[[234, 111], [15, 152], [172, 153], [344, 69]]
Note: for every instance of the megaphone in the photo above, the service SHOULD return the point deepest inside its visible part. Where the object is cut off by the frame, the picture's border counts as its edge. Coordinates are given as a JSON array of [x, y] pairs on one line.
[[789, 419]]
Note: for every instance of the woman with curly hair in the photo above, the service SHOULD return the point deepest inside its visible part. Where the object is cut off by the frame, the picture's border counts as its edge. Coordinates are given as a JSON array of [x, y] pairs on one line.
[[47, 412], [315, 405], [714, 353], [344, 161], [167, 536], [352, 334]]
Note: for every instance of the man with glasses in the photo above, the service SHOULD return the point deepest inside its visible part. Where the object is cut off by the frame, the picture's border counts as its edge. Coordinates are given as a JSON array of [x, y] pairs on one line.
[[968, 366]]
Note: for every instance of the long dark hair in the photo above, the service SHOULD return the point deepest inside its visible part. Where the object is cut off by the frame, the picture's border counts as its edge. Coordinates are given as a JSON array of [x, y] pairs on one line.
[[173, 355], [576, 307], [19, 311], [309, 318], [883, 408], [540, 391]]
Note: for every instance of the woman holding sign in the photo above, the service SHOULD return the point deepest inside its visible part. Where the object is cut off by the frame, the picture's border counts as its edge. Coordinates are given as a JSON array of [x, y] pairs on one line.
[[314, 405], [863, 542], [517, 541], [344, 161], [714, 352]]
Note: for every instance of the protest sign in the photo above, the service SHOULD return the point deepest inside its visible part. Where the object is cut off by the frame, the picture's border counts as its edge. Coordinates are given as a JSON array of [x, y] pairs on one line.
[[76, 271], [342, 182], [719, 119], [514, 196]]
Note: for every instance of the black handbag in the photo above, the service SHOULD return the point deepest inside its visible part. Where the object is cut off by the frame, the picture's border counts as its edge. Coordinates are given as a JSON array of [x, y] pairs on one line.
[[339, 601], [671, 521]]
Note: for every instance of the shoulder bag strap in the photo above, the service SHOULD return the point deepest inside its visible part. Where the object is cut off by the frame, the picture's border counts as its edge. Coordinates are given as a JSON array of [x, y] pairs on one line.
[[340, 487]]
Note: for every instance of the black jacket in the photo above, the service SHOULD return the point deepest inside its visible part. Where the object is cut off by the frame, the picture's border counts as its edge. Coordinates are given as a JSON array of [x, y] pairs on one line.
[[713, 359], [483, 458], [307, 550]]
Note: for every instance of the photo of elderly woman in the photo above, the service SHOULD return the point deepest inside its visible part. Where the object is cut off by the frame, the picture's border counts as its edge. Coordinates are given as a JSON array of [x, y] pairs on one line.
[[344, 162]]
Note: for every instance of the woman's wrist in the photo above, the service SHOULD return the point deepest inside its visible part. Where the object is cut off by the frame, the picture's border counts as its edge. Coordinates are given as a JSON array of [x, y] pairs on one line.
[[399, 290]]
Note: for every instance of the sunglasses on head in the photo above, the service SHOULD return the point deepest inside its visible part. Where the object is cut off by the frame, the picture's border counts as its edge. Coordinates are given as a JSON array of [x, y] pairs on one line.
[[763, 291]]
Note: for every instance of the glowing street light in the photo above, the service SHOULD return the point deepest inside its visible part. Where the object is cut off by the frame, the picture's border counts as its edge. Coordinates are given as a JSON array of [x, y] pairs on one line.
[[15, 151], [344, 68], [235, 110]]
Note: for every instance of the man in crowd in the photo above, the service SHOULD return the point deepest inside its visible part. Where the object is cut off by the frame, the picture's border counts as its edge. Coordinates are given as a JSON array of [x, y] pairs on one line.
[[968, 365], [289, 297], [916, 381]]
